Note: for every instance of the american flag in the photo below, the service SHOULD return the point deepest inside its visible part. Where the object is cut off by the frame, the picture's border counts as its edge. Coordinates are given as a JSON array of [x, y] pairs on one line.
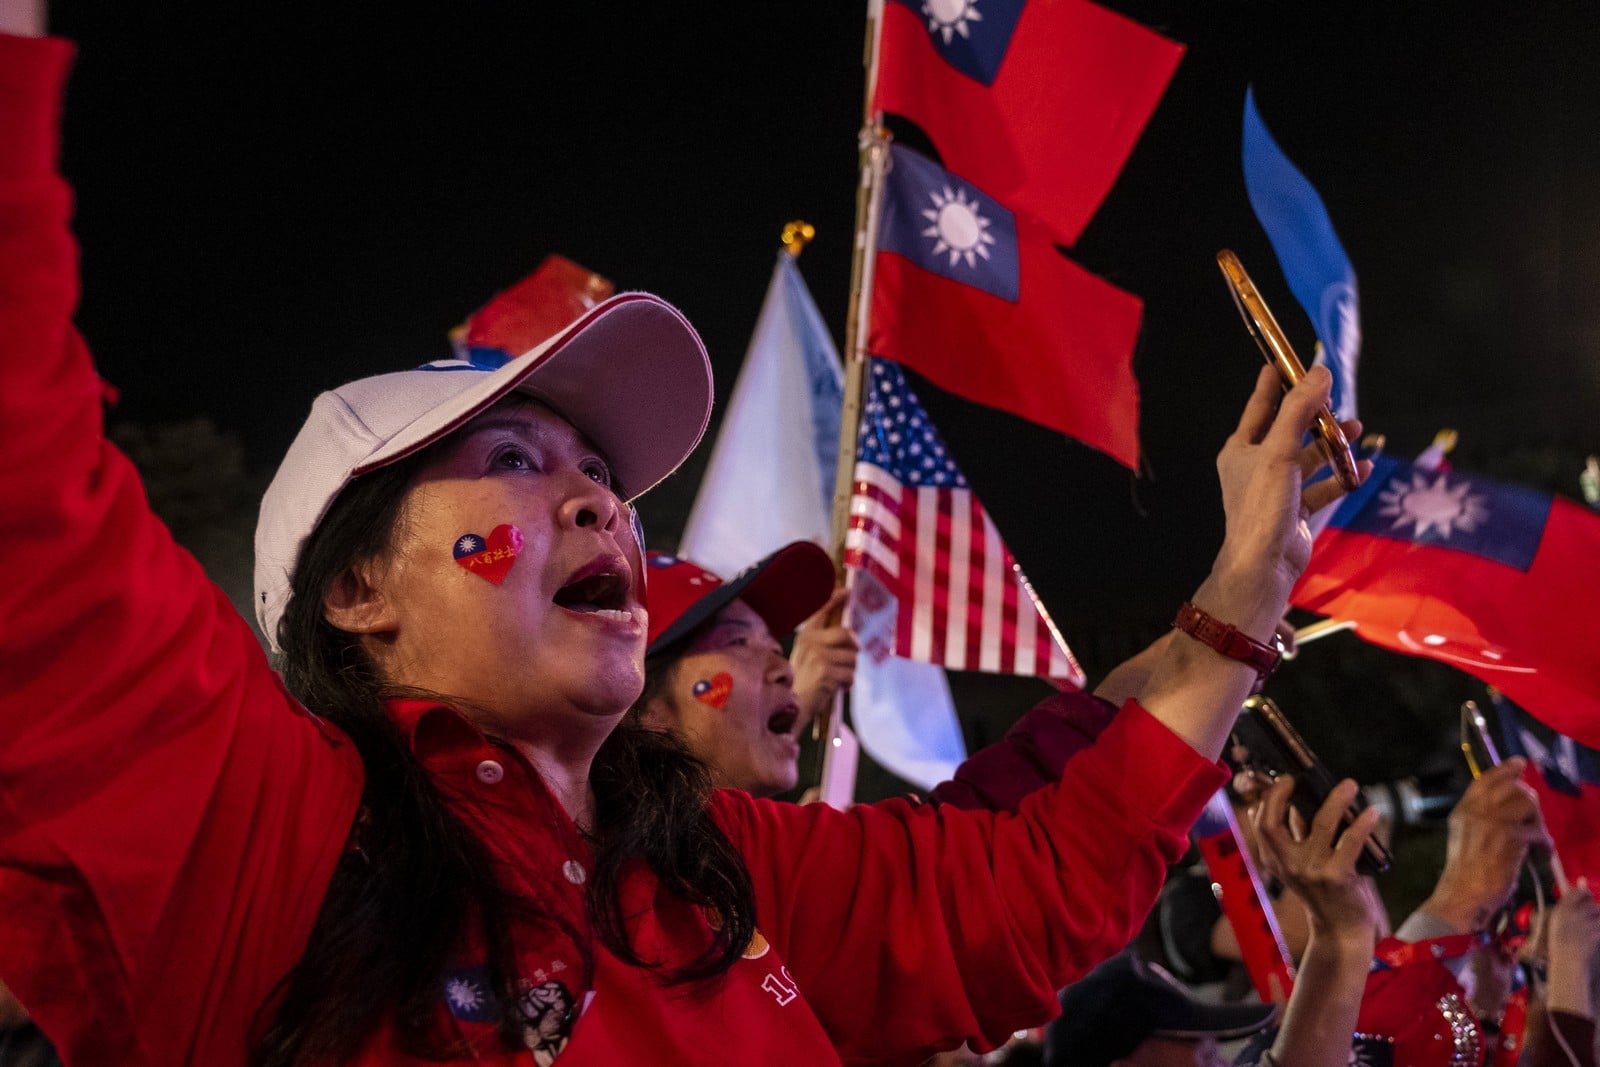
[[917, 527]]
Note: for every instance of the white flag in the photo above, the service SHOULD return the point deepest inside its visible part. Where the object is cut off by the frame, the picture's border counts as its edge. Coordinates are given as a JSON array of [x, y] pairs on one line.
[[770, 482], [770, 478]]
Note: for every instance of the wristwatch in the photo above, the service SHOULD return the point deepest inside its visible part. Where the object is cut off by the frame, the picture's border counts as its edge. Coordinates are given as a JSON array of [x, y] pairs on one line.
[[1230, 641]]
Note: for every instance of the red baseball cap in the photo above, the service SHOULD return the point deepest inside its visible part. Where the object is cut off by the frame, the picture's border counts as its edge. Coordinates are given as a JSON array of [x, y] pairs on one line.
[[784, 589], [1416, 1015]]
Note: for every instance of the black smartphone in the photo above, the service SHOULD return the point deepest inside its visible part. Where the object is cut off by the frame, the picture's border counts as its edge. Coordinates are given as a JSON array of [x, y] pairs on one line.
[[1272, 747]]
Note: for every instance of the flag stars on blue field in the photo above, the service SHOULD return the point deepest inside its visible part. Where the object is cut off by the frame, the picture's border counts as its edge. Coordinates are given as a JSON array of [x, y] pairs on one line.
[[897, 436]]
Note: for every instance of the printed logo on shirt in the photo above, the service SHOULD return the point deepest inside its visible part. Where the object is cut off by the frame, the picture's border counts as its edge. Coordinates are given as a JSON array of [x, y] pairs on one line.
[[469, 995], [551, 1014], [781, 986]]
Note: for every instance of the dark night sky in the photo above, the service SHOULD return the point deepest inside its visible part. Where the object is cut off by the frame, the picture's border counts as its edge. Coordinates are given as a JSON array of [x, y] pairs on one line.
[[276, 199]]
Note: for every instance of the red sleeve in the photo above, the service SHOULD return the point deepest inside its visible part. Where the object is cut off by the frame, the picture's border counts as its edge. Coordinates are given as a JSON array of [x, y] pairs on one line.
[[909, 932], [1031, 754], [169, 818]]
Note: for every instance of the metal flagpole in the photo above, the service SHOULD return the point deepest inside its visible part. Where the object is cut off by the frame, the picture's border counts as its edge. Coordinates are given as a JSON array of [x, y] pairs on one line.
[[839, 749]]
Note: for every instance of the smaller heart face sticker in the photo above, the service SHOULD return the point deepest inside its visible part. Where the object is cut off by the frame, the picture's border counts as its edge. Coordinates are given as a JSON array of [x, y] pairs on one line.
[[714, 691], [490, 558]]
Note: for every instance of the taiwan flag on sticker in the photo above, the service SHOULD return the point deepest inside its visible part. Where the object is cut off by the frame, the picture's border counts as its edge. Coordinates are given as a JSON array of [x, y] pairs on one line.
[[1038, 101], [1566, 775], [1496, 579], [984, 305]]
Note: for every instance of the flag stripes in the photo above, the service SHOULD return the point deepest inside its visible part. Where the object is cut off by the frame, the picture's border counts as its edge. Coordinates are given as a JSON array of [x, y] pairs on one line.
[[963, 601]]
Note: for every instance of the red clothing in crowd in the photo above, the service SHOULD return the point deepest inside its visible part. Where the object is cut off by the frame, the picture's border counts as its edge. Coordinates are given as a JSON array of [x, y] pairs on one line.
[[170, 816]]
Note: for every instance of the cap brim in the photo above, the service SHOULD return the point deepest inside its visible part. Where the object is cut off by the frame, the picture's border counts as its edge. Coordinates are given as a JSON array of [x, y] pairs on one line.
[[631, 374], [785, 589], [1221, 1021]]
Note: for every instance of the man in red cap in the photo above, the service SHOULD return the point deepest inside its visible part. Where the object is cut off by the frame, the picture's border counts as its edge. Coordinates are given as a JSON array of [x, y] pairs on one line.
[[716, 674]]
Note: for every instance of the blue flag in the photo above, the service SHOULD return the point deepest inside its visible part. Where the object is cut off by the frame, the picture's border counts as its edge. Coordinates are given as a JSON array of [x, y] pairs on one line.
[[1313, 261]]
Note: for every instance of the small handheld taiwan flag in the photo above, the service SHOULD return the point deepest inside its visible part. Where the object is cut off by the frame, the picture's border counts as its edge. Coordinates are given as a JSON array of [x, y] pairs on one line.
[[984, 305], [937, 583], [1498, 580]]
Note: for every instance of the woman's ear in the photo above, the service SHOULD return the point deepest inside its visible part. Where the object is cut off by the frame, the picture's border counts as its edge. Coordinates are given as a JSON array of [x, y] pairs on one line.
[[355, 602]]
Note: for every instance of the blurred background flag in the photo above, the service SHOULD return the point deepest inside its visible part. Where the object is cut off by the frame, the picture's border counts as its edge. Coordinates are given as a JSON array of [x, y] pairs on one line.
[[981, 303], [770, 482], [770, 477], [1496, 579], [1308, 250], [521, 316], [1566, 775], [935, 582], [1039, 102]]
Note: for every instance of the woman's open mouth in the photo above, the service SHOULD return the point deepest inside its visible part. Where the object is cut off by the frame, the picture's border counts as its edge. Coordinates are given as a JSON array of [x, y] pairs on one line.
[[599, 588], [782, 722]]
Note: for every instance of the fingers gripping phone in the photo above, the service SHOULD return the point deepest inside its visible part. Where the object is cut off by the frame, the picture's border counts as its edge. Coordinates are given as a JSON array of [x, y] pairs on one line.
[[1273, 748], [1274, 345]]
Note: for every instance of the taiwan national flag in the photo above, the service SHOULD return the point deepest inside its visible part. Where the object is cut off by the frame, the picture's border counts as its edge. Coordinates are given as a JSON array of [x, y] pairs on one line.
[[1566, 775], [1037, 101], [1496, 579], [985, 306]]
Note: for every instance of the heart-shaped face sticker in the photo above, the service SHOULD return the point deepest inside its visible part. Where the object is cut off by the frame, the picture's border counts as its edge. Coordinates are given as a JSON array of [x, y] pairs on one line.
[[490, 558], [713, 691]]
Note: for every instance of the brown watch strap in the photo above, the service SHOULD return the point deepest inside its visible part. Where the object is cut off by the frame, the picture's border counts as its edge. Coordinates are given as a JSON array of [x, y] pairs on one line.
[[1229, 640]]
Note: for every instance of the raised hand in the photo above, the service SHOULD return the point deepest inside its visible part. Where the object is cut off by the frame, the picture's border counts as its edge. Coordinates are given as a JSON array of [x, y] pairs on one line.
[[824, 658]]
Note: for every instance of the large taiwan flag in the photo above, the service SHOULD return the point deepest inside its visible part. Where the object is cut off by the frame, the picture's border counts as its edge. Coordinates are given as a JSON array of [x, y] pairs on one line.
[[984, 305], [1497, 579], [1037, 101]]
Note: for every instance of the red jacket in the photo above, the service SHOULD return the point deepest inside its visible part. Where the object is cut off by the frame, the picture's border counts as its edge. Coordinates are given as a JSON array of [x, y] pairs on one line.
[[170, 816]]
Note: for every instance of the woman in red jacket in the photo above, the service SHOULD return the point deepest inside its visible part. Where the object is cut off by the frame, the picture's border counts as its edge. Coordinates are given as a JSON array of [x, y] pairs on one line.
[[462, 850]]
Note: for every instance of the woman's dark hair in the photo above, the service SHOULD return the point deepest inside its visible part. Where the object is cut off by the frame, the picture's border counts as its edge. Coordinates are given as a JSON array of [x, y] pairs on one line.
[[413, 877]]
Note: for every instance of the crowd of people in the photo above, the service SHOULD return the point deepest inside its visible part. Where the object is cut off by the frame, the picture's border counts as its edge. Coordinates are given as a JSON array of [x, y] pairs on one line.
[[502, 790]]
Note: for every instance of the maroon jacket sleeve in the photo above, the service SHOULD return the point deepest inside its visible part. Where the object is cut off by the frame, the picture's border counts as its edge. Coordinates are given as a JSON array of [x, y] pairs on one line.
[[909, 931], [1541, 1048], [1031, 754], [169, 817]]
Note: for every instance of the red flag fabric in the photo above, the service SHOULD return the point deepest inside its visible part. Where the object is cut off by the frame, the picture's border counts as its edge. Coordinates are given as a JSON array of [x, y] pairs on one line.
[[1566, 775], [1498, 580], [1038, 102], [984, 305], [936, 583], [518, 318]]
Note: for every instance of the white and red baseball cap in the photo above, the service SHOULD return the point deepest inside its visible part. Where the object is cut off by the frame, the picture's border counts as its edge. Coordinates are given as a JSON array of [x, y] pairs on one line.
[[631, 374]]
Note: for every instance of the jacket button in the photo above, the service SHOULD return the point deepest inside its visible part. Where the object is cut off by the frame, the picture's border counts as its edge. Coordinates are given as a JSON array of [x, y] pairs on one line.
[[490, 772], [574, 872]]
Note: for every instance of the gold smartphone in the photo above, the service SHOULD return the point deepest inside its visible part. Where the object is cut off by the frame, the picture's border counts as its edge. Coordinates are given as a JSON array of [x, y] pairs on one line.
[[1477, 745], [1273, 747], [1274, 345]]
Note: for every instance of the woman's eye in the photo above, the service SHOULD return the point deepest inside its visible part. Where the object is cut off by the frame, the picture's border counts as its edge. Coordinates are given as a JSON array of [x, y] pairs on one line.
[[512, 458], [598, 472]]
